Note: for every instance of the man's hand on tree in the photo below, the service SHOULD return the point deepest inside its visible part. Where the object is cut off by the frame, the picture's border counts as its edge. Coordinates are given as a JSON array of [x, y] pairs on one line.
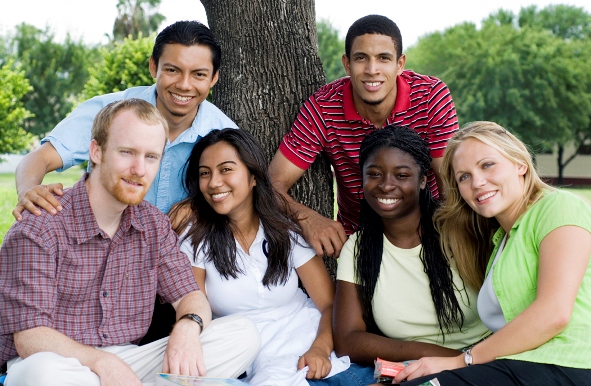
[[324, 235]]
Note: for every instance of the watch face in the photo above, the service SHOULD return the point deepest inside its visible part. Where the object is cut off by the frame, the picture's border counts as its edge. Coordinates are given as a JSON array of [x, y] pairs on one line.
[[196, 318]]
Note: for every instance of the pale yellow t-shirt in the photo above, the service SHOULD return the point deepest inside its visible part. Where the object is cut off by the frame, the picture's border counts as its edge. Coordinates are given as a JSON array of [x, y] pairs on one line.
[[402, 304]]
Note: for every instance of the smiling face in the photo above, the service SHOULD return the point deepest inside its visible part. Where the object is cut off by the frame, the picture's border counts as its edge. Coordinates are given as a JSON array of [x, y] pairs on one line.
[[373, 68], [392, 183], [491, 184], [225, 182], [184, 75], [128, 163]]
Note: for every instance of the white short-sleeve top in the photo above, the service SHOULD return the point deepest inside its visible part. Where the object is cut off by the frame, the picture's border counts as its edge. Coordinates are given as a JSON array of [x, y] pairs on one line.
[[247, 292]]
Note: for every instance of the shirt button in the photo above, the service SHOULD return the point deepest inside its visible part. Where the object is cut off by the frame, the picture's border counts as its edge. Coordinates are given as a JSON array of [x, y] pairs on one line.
[[105, 294], [105, 336]]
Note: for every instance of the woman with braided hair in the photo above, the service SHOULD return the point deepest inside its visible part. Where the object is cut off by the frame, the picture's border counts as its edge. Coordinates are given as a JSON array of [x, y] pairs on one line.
[[398, 297]]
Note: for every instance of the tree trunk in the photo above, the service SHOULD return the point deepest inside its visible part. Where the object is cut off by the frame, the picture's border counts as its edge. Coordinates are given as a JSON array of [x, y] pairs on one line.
[[560, 180], [270, 65]]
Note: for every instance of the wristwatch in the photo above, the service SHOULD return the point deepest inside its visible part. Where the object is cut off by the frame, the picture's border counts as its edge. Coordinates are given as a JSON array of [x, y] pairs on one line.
[[194, 317], [468, 357]]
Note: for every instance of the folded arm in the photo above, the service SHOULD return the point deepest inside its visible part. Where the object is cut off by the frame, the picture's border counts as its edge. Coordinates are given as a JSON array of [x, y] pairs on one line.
[[363, 347], [110, 369]]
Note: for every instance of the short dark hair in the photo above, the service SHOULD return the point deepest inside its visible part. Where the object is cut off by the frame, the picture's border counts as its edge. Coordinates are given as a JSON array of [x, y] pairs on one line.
[[374, 25], [188, 33]]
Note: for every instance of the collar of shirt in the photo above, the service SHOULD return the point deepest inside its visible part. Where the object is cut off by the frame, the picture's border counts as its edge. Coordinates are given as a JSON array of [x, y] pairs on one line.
[[78, 213], [258, 239], [402, 99]]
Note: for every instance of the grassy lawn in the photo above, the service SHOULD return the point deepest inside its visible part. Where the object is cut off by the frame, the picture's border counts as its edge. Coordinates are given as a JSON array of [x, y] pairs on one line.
[[584, 191], [8, 197]]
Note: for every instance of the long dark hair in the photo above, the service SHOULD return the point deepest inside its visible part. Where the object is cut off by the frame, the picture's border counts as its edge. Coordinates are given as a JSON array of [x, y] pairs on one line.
[[212, 232], [369, 246]]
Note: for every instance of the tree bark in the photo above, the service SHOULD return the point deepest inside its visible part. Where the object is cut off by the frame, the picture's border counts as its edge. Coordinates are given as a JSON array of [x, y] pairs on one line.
[[270, 66]]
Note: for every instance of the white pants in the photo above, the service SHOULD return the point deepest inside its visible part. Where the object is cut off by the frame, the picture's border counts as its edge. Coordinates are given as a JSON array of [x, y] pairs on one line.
[[230, 344]]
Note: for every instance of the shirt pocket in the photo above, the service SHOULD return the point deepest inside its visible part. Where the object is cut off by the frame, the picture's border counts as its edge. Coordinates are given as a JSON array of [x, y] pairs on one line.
[[79, 275]]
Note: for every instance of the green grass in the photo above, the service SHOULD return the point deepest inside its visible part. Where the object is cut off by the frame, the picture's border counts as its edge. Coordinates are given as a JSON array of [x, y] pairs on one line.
[[8, 197], [583, 191]]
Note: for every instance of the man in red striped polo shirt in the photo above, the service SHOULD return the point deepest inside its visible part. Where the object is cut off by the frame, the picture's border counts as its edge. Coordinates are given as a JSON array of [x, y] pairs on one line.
[[334, 120]]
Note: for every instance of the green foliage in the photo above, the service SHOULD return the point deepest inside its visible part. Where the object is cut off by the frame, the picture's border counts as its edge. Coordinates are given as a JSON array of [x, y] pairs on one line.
[[123, 65], [13, 138], [330, 50], [565, 21], [136, 18], [533, 78], [56, 71]]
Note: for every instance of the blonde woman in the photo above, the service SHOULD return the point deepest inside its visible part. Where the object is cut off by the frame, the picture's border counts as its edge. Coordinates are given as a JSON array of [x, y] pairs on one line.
[[526, 246]]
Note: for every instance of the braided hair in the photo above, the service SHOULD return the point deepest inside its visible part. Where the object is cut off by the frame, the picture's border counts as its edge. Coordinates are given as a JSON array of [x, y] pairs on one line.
[[369, 245]]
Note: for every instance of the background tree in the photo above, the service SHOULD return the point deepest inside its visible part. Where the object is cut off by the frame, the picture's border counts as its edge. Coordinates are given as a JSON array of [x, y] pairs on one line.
[[56, 71], [123, 65], [270, 65], [573, 25], [136, 18], [330, 50], [12, 111], [525, 77]]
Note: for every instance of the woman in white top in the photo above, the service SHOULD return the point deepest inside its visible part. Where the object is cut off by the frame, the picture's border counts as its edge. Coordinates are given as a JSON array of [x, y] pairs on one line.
[[398, 297], [247, 254]]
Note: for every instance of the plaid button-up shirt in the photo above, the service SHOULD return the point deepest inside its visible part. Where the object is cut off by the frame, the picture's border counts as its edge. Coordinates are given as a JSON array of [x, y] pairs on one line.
[[63, 272]]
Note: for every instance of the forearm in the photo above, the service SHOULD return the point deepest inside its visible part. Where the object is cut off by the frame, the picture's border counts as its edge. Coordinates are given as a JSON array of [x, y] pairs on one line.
[[364, 347], [34, 166], [45, 339], [324, 339], [194, 303], [533, 327]]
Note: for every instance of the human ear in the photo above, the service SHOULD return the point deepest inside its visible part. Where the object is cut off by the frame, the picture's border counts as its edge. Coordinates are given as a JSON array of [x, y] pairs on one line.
[[95, 152], [153, 67], [401, 63], [521, 169], [346, 64]]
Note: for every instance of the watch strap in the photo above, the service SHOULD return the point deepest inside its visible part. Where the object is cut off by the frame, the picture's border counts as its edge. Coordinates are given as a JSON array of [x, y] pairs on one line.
[[194, 317]]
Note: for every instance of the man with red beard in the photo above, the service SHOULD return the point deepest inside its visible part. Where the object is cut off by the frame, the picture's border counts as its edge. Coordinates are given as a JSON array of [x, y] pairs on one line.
[[78, 287]]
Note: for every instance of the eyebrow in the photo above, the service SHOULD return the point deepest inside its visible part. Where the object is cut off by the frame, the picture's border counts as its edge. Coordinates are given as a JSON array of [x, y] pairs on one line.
[[397, 167], [220, 164], [203, 69], [386, 53]]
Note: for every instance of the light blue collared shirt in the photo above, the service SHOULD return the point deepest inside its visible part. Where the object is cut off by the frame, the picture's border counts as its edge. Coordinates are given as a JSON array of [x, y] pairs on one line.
[[71, 139]]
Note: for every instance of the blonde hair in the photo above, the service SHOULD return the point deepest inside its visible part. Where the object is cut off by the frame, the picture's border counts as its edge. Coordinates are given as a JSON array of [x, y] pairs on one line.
[[145, 111], [465, 235]]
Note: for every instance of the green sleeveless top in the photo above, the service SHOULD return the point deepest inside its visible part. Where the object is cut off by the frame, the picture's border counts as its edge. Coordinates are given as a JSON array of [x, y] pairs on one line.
[[515, 277]]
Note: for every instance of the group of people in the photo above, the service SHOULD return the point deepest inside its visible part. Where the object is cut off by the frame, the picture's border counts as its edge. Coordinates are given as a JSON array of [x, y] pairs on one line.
[[454, 257]]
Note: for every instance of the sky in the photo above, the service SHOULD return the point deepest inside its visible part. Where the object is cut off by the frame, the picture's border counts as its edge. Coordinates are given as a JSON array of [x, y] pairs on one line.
[[91, 20]]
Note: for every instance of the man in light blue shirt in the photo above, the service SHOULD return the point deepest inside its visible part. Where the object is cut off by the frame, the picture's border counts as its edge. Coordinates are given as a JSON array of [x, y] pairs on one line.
[[185, 62]]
